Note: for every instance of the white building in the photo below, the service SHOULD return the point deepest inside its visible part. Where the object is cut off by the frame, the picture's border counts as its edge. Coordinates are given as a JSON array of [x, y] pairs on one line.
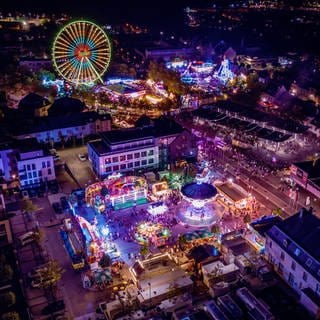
[[64, 128], [292, 247], [140, 148], [25, 162], [35, 166], [121, 151]]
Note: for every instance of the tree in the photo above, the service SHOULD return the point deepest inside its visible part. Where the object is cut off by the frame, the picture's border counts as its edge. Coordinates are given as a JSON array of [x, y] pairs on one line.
[[105, 261], [28, 206], [7, 299], [50, 275], [144, 250], [6, 271], [247, 218], [277, 211], [10, 316]]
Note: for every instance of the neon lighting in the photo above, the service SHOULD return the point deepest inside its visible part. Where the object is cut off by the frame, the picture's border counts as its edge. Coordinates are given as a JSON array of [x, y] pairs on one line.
[[81, 52]]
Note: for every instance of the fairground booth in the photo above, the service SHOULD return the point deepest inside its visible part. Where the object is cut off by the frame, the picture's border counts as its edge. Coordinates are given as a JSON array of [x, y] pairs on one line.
[[117, 192], [233, 197]]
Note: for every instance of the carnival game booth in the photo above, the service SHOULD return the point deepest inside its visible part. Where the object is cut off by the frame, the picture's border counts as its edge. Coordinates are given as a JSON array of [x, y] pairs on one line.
[[119, 193]]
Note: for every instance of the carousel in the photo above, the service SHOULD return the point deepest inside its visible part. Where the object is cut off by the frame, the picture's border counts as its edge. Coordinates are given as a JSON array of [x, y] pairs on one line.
[[148, 232], [199, 210]]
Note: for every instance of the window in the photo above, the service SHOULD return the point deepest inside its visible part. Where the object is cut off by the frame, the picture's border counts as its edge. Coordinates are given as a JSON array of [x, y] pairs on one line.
[[28, 167], [297, 252], [33, 166], [270, 243], [137, 155], [293, 265], [40, 173], [34, 174], [122, 158], [143, 154], [305, 276], [129, 156], [285, 243], [123, 166], [130, 165], [115, 168], [143, 162], [137, 164], [115, 159], [280, 268], [49, 171], [309, 262], [150, 161], [43, 164], [107, 160], [282, 255], [150, 153], [29, 175]]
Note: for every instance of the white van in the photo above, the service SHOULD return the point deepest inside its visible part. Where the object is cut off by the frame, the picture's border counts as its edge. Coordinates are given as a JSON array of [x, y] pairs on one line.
[[27, 238]]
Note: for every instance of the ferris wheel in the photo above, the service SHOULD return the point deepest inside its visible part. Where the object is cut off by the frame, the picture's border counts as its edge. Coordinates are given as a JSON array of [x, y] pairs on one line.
[[81, 52]]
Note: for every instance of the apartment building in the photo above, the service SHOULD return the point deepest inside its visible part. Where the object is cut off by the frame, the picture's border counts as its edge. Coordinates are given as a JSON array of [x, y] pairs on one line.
[[292, 247], [141, 148], [26, 163]]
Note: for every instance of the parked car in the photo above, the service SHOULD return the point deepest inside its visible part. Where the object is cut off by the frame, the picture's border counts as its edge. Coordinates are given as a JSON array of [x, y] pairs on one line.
[[25, 195], [53, 307], [82, 157], [35, 272], [57, 207], [64, 203], [36, 282], [27, 238], [53, 152]]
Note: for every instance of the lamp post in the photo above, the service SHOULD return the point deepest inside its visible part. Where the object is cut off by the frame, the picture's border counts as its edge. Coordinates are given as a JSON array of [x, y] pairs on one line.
[[149, 284]]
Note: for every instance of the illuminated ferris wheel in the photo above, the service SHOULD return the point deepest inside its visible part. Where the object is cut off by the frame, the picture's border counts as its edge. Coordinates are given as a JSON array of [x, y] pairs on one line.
[[81, 52]]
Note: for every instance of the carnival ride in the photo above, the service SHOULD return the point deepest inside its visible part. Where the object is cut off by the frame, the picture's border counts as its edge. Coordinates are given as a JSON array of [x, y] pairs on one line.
[[81, 52], [154, 233], [198, 195], [121, 192], [224, 73]]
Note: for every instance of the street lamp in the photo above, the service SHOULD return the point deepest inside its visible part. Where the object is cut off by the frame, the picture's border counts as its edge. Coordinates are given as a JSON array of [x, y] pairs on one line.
[[149, 284]]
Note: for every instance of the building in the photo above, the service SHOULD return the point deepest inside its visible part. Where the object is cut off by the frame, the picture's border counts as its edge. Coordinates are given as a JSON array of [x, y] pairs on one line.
[[307, 175], [35, 64], [35, 165], [159, 278], [5, 233], [141, 148], [34, 105], [292, 247], [8, 162], [305, 92], [63, 128], [25, 163]]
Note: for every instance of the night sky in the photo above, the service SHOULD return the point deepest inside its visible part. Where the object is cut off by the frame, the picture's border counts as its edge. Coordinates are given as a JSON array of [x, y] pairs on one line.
[[107, 10]]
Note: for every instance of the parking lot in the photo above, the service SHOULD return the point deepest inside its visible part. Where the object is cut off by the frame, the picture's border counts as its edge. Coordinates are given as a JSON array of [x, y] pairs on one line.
[[80, 169]]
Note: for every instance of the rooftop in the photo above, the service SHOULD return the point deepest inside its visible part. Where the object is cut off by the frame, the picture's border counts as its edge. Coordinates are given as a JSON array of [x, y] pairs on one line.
[[161, 127], [42, 124], [33, 101], [311, 167], [299, 236]]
